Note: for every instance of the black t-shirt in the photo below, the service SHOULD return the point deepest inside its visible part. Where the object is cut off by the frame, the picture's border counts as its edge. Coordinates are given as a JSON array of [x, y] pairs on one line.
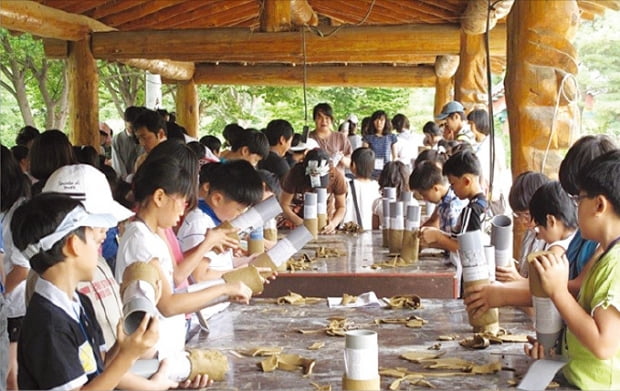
[[276, 164], [472, 215], [54, 350]]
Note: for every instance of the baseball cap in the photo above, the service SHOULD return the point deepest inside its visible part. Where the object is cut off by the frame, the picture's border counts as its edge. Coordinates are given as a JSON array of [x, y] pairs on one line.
[[310, 144], [352, 118], [449, 108], [89, 185]]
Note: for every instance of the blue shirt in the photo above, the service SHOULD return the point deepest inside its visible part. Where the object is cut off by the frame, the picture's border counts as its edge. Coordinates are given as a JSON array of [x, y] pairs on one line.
[[449, 210], [579, 252], [203, 206]]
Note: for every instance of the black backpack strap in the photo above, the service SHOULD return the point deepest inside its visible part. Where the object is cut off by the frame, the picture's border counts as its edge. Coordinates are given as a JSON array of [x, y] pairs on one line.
[[357, 209]]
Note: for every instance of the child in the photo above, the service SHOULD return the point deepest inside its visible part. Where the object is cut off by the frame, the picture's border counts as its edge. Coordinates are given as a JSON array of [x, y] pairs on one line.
[[394, 174], [554, 217], [161, 189], [430, 183], [226, 190], [59, 346], [363, 190], [303, 178], [591, 344], [463, 172]]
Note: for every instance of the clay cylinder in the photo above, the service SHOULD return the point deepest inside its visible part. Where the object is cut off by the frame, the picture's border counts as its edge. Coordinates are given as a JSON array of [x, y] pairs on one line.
[[256, 241], [397, 227], [501, 238], [249, 276], [321, 207], [385, 204], [310, 214], [270, 230], [289, 245], [389, 193], [476, 272], [489, 255], [257, 215], [548, 322], [411, 235]]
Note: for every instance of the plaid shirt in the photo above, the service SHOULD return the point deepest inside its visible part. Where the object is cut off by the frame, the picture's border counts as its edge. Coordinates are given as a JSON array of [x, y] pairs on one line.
[[449, 209]]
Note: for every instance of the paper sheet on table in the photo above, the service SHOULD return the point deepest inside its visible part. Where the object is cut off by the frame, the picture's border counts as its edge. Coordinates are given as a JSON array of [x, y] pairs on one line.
[[368, 299], [539, 374]]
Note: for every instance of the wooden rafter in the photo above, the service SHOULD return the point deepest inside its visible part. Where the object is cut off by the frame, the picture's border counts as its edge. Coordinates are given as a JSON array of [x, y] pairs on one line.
[[82, 6], [139, 10], [160, 19], [219, 14], [110, 8]]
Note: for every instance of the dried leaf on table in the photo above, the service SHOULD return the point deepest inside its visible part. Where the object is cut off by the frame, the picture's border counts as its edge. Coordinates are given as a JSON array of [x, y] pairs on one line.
[[297, 299], [447, 363], [262, 351], [351, 228], [327, 252], [392, 372], [395, 262], [316, 346], [288, 362], [348, 299], [404, 301], [435, 346], [415, 322], [447, 337], [318, 387], [486, 368], [477, 341], [411, 321], [417, 356]]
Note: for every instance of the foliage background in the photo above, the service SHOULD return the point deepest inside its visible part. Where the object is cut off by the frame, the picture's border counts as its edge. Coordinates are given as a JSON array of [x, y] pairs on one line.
[[598, 43]]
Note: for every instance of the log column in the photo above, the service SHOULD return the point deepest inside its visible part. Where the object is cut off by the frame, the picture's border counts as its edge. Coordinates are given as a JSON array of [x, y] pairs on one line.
[[471, 78], [276, 16], [445, 67], [540, 56], [83, 95], [188, 107]]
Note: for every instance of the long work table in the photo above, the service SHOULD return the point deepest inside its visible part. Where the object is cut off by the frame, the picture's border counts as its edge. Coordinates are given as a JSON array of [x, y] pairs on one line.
[[348, 268], [266, 325]]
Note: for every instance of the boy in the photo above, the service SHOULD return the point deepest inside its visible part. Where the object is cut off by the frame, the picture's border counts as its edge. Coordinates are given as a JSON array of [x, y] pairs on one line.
[[429, 182], [226, 190], [463, 172], [59, 346], [363, 190], [279, 132], [250, 145], [591, 345]]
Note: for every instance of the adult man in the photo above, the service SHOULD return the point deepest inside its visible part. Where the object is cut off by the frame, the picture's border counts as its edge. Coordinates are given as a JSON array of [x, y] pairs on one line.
[[455, 123], [125, 149]]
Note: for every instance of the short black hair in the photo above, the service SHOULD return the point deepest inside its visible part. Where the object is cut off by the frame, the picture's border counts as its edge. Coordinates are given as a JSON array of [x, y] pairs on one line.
[[400, 122], [579, 154], [551, 199], [387, 128], [132, 113], [231, 133], [51, 150], [425, 176], [523, 187], [480, 118], [395, 174], [86, 154], [236, 179], [162, 173], [432, 128], [431, 155], [602, 177], [461, 163], [255, 141], [364, 159], [197, 148], [14, 183], [213, 143], [20, 152], [323, 108], [39, 217], [150, 120], [175, 131], [278, 128], [26, 134], [271, 181]]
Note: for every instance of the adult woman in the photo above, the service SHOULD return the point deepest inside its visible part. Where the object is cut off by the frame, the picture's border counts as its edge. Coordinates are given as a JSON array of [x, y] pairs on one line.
[[336, 144]]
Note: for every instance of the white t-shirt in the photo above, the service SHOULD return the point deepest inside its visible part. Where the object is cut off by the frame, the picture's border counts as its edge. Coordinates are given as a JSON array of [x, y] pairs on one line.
[[15, 300], [192, 233], [140, 244], [366, 192], [502, 177], [407, 147]]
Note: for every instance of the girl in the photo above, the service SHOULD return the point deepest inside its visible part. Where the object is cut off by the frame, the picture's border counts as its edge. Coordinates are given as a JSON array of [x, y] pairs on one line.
[[381, 140]]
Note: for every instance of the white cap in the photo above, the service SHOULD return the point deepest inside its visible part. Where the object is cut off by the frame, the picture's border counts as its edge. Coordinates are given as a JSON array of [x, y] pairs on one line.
[[86, 183], [310, 144], [352, 118]]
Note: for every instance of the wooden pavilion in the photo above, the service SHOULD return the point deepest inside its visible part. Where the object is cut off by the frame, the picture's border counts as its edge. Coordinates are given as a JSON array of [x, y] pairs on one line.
[[403, 43]]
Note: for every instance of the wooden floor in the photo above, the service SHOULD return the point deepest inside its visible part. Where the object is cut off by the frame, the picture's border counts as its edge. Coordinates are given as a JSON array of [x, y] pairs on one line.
[[352, 272], [264, 323]]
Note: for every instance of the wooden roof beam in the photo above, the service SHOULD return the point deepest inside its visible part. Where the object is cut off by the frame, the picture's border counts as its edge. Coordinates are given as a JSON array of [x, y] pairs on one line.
[[284, 75], [475, 17], [386, 44], [276, 16]]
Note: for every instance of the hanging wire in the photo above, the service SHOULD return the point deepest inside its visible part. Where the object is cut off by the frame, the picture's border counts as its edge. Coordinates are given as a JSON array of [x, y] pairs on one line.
[[364, 19], [305, 76]]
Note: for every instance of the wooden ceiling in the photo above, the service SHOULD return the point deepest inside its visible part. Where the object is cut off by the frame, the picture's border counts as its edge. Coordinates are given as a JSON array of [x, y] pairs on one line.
[[131, 15]]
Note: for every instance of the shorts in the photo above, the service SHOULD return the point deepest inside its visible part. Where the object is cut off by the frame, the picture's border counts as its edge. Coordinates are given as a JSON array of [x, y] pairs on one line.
[[14, 326]]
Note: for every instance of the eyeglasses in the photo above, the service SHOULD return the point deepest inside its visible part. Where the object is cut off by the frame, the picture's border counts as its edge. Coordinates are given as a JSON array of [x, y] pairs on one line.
[[577, 198]]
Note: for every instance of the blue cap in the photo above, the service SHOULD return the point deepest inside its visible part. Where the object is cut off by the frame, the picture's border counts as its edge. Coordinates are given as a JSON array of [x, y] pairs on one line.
[[449, 108]]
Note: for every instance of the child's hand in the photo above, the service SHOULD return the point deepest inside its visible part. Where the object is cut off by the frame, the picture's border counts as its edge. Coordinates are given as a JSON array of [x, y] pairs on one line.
[[507, 273], [329, 229], [535, 350], [430, 235], [244, 260], [200, 381], [267, 273], [218, 239], [160, 380], [553, 271], [478, 299], [239, 292], [141, 340]]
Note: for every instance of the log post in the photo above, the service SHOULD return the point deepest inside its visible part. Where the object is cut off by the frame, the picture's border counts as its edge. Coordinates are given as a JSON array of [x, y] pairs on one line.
[[188, 107], [83, 95], [276, 16], [445, 67], [540, 56], [471, 77]]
